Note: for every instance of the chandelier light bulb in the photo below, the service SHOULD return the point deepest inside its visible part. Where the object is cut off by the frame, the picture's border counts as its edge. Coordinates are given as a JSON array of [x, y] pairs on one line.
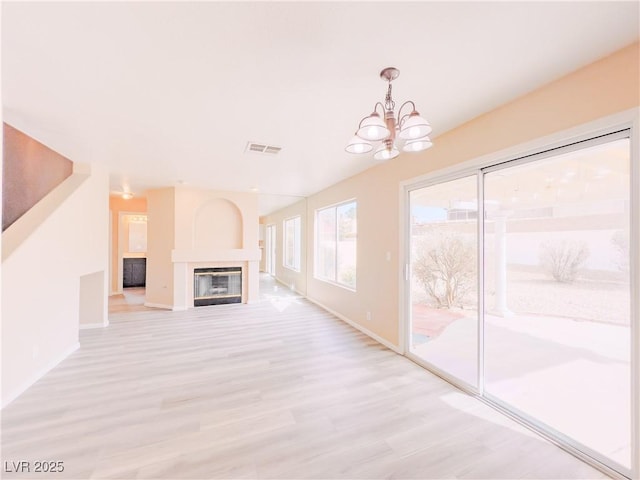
[[417, 145], [414, 127], [386, 151], [373, 131], [373, 128], [358, 145]]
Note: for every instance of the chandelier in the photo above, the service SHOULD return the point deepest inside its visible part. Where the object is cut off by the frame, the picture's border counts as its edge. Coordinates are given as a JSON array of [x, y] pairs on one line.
[[411, 128]]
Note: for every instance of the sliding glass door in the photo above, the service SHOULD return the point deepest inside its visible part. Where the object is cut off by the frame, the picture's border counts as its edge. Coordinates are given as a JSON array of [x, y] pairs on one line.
[[444, 277], [557, 294], [551, 341]]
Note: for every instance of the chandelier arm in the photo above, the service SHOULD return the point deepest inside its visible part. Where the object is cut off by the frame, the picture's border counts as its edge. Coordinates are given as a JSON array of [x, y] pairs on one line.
[[402, 117], [375, 110]]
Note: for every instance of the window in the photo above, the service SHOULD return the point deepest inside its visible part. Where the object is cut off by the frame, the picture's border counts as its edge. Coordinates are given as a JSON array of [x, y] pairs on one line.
[[292, 243], [336, 236]]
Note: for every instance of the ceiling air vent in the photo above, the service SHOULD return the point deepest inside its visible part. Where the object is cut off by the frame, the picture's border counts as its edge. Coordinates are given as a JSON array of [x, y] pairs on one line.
[[262, 148]]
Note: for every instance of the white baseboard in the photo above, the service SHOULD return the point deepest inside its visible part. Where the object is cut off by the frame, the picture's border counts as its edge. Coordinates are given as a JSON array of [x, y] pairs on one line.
[[357, 326], [87, 326], [39, 374], [158, 305]]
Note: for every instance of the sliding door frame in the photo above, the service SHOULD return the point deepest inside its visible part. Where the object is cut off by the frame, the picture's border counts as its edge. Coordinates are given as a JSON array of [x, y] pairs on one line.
[[466, 173], [580, 450], [551, 145]]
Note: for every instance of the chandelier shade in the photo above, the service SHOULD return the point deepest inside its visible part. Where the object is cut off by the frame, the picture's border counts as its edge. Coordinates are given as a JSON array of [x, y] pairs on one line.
[[386, 151], [414, 127], [358, 145], [373, 128], [417, 145]]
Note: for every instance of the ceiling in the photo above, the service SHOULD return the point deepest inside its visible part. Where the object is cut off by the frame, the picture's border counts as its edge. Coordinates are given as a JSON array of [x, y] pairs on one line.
[[166, 94]]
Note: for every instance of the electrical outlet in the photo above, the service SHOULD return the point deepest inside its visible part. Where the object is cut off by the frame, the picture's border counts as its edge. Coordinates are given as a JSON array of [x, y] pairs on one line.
[[368, 316]]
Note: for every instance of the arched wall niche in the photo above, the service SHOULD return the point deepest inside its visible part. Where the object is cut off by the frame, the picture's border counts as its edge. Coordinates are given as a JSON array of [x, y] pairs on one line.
[[218, 226]]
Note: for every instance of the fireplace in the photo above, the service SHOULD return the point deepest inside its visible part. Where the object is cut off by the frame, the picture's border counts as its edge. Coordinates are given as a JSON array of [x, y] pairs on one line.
[[215, 286]]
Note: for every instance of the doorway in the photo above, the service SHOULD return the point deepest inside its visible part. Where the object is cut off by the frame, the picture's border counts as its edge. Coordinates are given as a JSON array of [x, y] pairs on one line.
[[271, 250]]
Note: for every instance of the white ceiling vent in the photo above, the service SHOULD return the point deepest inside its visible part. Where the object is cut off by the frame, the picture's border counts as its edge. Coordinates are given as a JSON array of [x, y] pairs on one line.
[[262, 148]]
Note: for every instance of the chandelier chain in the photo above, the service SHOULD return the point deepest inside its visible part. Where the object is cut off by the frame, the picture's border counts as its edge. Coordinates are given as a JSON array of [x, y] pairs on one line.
[[388, 101]]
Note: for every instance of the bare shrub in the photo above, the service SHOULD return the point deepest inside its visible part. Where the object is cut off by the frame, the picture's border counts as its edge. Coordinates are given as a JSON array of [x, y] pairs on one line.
[[620, 241], [446, 270], [563, 258]]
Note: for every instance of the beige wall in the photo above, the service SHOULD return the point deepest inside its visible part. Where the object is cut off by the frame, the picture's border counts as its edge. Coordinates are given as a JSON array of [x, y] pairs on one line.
[[189, 228], [119, 205], [603, 88], [92, 302], [261, 243], [195, 208], [160, 243], [42, 298], [295, 280], [215, 228]]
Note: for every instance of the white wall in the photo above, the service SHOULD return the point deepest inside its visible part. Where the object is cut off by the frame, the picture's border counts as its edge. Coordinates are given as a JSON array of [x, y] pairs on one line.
[[41, 300]]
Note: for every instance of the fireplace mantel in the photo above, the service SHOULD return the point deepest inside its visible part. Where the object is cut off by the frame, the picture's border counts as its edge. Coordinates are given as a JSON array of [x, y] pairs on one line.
[[229, 255]]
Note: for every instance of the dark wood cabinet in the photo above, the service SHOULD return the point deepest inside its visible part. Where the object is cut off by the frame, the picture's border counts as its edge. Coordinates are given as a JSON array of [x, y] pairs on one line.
[[134, 272]]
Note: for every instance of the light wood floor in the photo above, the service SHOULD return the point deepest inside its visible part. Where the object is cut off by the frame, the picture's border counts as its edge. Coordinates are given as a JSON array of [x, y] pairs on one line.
[[279, 389], [130, 300]]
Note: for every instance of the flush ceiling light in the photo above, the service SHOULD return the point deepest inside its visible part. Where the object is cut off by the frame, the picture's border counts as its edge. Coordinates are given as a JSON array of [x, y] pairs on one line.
[[410, 127], [127, 195]]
